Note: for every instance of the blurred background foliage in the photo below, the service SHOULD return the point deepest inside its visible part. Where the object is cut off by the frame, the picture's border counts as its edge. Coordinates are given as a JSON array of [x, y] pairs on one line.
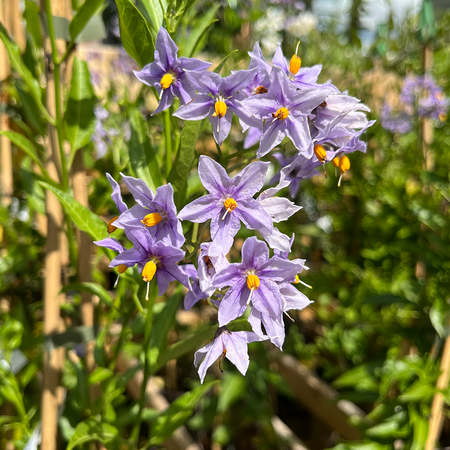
[[378, 248]]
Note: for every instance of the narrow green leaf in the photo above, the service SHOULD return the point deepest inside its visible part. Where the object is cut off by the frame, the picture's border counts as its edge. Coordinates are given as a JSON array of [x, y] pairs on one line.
[[153, 12], [134, 33], [18, 65], [420, 428], [91, 430], [185, 158], [24, 143], [142, 154], [99, 374], [199, 30], [177, 413], [92, 288], [233, 387], [31, 16], [82, 17], [79, 115], [83, 217], [162, 324], [219, 68]]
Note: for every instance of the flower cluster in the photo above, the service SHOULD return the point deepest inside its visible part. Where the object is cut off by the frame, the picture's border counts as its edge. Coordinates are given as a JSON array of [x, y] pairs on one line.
[[272, 102], [420, 97]]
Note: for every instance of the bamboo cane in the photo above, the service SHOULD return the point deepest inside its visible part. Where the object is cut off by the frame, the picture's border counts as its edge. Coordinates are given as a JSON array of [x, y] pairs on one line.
[[55, 257]]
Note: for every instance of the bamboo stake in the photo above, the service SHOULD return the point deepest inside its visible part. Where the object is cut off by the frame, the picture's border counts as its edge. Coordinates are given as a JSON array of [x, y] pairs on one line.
[[53, 393], [84, 253]]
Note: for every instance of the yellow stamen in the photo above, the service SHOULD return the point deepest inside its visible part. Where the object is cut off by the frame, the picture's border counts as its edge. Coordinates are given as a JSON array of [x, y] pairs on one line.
[[149, 271], [152, 219], [335, 162], [220, 109], [281, 114], [166, 81], [122, 268], [442, 117], [297, 281], [321, 153], [344, 165], [230, 204], [295, 64], [111, 228], [252, 284], [260, 90]]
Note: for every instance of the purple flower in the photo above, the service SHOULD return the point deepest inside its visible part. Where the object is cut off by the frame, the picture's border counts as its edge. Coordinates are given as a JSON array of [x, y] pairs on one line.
[[153, 258], [226, 344], [254, 282], [194, 294], [167, 72], [229, 201], [217, 98], [157, 213], [210, 261], [285, 110]]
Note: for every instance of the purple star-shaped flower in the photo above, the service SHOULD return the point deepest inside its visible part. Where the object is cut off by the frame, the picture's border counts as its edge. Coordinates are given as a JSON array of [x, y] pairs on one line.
[[285, 110], [194, 294], [167, 72], [226, 344], [161, 256], [217, 98], [254, 282], [210, 261], [157, 213], [229, 201]]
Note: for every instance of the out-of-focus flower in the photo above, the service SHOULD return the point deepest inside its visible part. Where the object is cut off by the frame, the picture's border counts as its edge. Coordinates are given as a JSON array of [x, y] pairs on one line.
[[167, 72], [302, 24], [217, 98], [230, 201]]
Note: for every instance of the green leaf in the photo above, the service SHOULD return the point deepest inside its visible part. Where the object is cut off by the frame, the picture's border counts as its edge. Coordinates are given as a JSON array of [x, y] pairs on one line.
[[82, 17], [18, 65], [420, 428], [418, 391], [142, 154], [92, 288], [187, 345], [185, 158], [134, 33], [31, 16], [24, 143], [219, 68], [438, 317], [83, 217], [177, 413], [162, 324], [233, 388], [198, 32], [153, 12], [91, 430], [79, 115], [99, 374]]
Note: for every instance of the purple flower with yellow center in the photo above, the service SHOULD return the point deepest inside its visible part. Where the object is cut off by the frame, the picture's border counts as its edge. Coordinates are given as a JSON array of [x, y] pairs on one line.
[[157, 213], [230, 201], [217, 98], [226, 344], [167, 72], [115, 245], [254, 282], [153, 258], [210, 260], [285, 111]]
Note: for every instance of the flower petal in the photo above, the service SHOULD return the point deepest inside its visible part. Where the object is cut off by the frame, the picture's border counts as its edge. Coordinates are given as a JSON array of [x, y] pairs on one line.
[[237, 81], [201, 209], [271, 137], [298, 131], [213, 176], [204, 82], [233, 303], [111, 243], [166, 48], [254, 253], [250, 180], [253, 215], [197, 109], [221, 126], [237, 351], [279, 60], [116, 194], [138, 189], [213, 352]]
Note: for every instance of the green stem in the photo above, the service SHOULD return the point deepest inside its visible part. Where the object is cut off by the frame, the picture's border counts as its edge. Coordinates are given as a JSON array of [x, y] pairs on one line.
[[137, 302], [147, 346], [57, 82], [168, 138]]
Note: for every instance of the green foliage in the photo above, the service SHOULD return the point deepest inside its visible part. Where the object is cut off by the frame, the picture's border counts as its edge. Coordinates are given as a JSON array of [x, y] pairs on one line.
[[82, 17]]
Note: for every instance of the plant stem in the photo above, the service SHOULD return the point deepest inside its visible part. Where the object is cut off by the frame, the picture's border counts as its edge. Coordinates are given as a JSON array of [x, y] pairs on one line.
[[168, 138], [146, 348]]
